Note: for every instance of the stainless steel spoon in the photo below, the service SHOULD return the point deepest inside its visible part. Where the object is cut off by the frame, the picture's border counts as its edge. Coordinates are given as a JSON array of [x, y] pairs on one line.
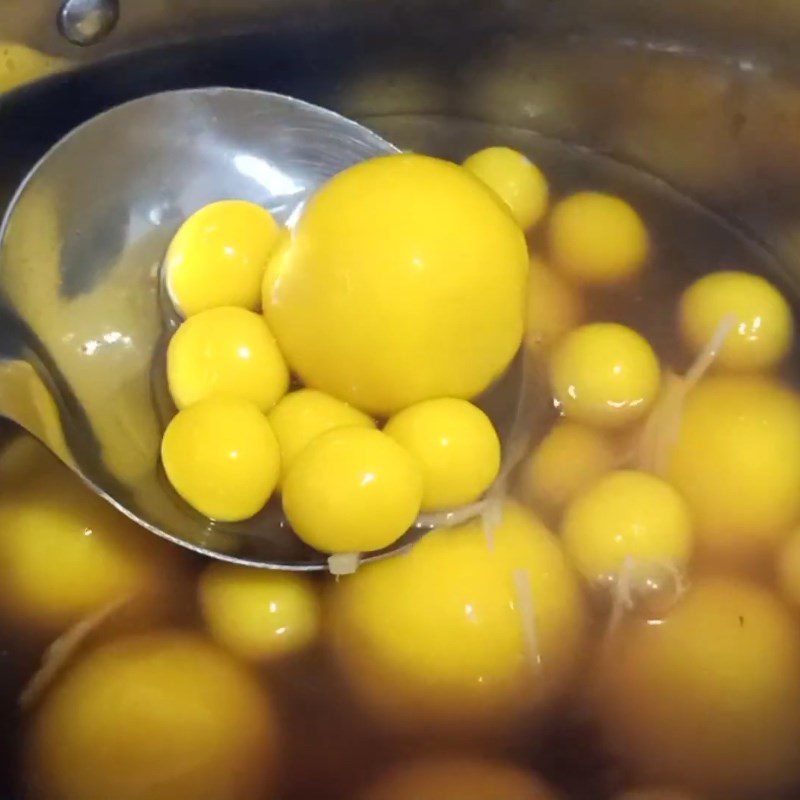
[[80, 250]]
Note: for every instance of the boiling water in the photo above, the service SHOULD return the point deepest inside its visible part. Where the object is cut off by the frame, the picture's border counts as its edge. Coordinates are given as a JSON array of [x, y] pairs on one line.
[[331, 747]]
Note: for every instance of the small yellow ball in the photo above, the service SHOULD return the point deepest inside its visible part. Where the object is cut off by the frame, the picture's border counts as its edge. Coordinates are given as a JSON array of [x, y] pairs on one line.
[[597, 239], [259, 614], [301, 416], [219, 255], [554, 307], [737, 462], [222, 458], [454, 778], [165, 716], [460, 632], [456, 446], [520, 184], [65, 553], [569, 459], [626, 514], [709, 699], [226, 350], [352, 490], [763, 326], [604, 374]]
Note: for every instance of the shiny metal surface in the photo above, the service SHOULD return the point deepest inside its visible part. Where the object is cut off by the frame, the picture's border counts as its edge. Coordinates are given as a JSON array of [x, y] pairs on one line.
[[80, 252], [86, 22]]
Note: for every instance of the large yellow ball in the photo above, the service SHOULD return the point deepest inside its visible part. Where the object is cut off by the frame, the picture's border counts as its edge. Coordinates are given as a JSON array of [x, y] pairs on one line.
[[737, 463], [65, 553], [440, 637], [709, 699], [404, 280], [164, 716]]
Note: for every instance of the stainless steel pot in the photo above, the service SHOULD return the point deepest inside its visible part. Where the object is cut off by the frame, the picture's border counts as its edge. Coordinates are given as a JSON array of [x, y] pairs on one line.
[[704, 94]]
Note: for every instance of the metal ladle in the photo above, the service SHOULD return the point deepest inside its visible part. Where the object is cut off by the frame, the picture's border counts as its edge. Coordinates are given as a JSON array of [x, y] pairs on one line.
[[80, 287]]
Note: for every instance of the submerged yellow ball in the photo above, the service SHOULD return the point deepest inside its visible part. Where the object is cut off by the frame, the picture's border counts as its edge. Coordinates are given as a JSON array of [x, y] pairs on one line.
[[709, 699], [226, 350], [737, 462], [218, 257], [65, 553], [627, 515], [258, 614], [221, 457], [461, 631], [166, 716], [518, 182], [301, 416], [604, 374], [569, 459], [597, 239], [762, 319], [554, 307], [404, 280], [457, 778], [352, 490], [456, 446]]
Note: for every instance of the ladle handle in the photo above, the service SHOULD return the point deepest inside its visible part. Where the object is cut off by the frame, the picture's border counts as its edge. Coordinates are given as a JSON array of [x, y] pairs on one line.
[[86, 22], [26, 400]]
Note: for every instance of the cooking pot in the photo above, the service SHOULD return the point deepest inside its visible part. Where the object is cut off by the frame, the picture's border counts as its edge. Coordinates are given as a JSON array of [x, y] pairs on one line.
[[702, 93]]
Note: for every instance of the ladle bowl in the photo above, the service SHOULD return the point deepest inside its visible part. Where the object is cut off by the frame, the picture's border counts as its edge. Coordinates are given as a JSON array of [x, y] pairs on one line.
[[80, 285]]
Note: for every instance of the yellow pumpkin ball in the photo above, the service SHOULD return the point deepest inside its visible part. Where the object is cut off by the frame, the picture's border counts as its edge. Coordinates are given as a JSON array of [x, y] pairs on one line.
[[458, 778], [597, 239], [404, 280], [710, 698], [737, 462], [258, 614], [518, 182], [762, 319], [604, 374], [165, 716], [456, 446], [461, 633]]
